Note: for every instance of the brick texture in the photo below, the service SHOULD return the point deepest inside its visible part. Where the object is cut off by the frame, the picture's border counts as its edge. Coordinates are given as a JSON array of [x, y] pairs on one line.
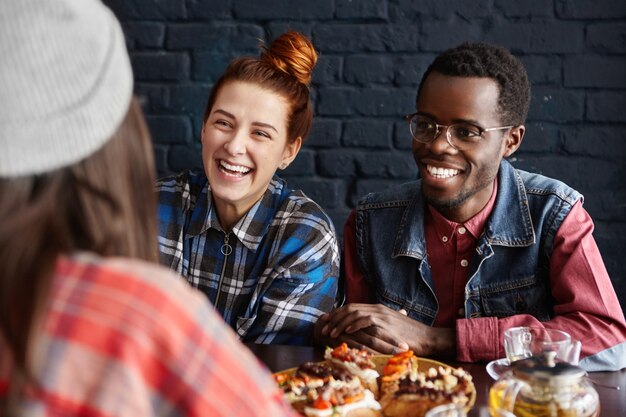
[[372, 56]]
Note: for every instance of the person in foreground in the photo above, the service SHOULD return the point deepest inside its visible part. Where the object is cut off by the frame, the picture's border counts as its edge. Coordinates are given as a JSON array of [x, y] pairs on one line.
[[446, 264], [90, 324], [265, 255]]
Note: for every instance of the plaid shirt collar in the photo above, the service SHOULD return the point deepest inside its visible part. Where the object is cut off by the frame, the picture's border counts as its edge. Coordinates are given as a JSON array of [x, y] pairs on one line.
[[251, 228]]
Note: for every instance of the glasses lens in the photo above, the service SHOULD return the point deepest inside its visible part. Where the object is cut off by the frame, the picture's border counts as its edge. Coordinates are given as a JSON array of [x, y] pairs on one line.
[[422, 128], [464, 134]]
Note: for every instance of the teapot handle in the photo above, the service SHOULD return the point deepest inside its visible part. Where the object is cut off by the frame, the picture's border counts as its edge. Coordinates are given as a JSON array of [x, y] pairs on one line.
[[510, 394]]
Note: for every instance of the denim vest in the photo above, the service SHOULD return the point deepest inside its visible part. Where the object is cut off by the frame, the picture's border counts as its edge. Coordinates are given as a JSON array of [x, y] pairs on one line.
[[510, 271]]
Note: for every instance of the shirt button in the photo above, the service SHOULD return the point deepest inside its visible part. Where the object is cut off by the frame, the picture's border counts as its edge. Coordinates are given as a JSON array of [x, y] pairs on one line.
[[461, 312], [462, 230], [464, 262], [445, 239]]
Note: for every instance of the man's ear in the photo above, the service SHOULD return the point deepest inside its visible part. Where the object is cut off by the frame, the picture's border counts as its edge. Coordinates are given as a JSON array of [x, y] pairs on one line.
[[513, 140], [290, 152]]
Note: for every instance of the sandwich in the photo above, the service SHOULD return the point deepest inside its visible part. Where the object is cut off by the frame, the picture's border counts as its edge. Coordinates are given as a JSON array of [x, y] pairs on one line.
[[356, 361], [407, 391], [323, 389]]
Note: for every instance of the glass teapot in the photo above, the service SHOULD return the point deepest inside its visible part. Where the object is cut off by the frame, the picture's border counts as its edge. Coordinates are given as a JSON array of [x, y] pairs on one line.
[[540, 387]]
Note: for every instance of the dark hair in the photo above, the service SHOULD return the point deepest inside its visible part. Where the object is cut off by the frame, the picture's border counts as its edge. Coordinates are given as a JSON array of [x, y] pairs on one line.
[[284, 68], [490, 61], [104, 204]]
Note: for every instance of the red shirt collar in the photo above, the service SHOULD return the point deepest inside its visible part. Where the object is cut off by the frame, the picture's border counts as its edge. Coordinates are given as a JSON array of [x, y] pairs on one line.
[[474, 225]]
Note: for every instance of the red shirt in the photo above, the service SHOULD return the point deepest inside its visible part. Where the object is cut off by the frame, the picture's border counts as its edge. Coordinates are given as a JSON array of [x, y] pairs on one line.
[[447, 240], [582, 290]]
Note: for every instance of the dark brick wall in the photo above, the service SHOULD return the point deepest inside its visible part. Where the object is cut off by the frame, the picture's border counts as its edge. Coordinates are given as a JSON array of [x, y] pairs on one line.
[[373, 53]]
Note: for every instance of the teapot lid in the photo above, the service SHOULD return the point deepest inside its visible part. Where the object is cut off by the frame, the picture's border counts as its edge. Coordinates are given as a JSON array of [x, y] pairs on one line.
[[543, 368]]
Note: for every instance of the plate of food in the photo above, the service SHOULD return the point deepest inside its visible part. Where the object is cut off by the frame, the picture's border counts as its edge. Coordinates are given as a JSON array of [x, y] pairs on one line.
[[353, 383]]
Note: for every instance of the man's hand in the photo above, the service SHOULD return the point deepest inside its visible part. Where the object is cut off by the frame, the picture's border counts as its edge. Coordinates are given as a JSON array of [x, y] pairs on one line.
[[383, 330]]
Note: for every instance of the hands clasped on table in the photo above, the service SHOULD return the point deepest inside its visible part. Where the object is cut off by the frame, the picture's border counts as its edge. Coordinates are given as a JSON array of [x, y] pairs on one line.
[[383, 330]]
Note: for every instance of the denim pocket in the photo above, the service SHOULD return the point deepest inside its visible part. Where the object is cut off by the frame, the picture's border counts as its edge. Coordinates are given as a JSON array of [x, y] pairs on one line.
[[523, 296]]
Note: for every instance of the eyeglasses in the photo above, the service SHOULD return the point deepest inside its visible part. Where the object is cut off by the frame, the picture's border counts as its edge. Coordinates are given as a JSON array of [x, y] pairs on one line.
[[460, 136]]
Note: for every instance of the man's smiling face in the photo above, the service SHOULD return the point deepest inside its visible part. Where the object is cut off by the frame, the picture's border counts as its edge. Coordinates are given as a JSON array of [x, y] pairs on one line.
[[459, 183]]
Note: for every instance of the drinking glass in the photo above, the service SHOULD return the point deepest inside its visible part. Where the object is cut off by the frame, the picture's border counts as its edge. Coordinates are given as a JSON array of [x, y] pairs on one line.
[[522, 342]]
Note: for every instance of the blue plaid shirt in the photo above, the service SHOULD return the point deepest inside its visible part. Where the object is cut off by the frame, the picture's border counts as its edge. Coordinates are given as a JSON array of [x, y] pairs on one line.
[[271, 276]]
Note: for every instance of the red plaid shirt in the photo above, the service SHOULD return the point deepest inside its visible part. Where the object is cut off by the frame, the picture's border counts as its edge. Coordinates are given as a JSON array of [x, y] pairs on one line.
[[126, 338]]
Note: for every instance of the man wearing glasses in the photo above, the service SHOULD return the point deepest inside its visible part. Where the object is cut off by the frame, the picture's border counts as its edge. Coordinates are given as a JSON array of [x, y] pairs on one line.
[[445, 264]]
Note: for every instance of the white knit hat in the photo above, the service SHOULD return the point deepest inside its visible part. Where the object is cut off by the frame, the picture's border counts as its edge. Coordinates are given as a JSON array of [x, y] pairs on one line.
[[65, 82]]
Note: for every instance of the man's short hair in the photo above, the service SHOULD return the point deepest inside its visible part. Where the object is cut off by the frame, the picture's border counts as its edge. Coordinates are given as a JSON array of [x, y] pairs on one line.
[[491, 61]]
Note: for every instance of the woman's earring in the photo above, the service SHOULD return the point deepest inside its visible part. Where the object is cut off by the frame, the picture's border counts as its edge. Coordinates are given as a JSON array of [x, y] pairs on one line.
[[283, 165]]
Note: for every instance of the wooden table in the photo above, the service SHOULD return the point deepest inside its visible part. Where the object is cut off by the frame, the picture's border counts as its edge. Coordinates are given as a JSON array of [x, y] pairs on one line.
[[612, 401]]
